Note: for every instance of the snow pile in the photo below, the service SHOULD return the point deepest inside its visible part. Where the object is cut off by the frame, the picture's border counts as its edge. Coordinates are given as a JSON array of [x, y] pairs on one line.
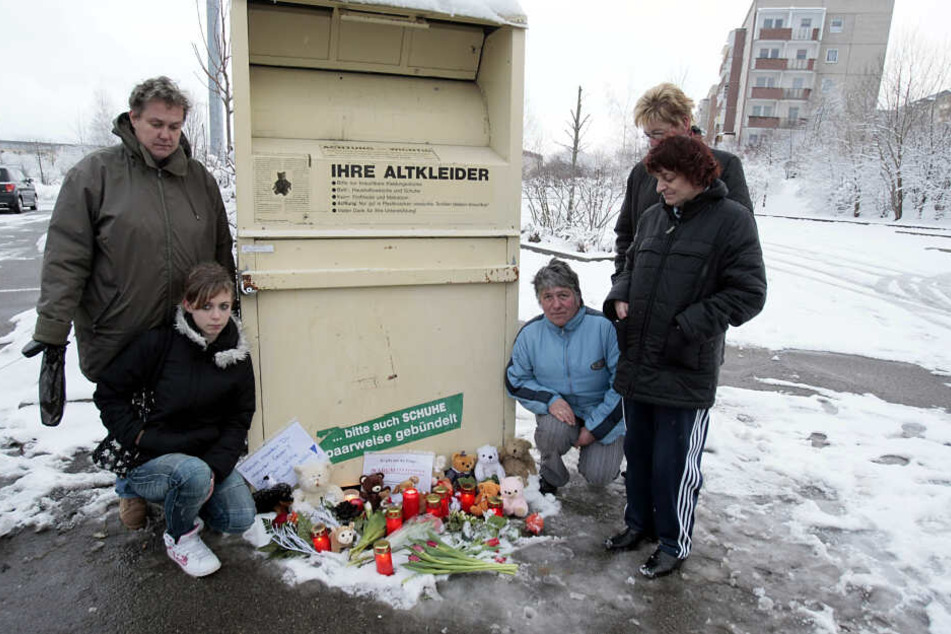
[[497, 11]]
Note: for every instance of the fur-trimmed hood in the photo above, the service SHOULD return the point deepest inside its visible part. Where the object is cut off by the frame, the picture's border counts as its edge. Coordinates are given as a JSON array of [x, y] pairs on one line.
[[229, 348]]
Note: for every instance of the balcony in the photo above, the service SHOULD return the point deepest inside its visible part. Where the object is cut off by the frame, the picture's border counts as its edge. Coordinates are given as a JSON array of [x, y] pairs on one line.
[[763, 122], [805, 34], [763, 92], [796, 93], [770, 63], [801, 64], [775, 34], [787, 124]]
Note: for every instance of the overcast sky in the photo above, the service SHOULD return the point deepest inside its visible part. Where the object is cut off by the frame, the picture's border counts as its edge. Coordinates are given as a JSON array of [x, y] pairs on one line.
[[55, 55]]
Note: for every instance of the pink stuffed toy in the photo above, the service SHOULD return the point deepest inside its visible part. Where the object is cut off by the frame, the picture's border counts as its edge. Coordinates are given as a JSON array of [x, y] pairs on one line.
[[513, 498]]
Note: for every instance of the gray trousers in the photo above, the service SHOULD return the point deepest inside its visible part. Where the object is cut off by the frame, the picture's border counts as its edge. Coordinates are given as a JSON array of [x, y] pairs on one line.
[[598, 463]]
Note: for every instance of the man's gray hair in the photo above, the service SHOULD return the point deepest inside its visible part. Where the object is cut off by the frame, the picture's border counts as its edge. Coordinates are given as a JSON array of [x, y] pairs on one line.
[[158, 89], [556, 273]]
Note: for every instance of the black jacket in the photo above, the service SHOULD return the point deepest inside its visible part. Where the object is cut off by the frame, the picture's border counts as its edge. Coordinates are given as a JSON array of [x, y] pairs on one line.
[[202, 397], [641, 193], [686, 281]]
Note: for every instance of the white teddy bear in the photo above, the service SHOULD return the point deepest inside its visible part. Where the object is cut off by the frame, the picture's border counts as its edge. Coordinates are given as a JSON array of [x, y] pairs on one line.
[[314, 485], [488, 464]]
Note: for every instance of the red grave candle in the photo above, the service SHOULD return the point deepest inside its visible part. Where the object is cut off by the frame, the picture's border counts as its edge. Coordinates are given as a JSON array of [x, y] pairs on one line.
[[383, 557], [443, 493], [434, 504], [410, 503], [394, 519], [320, 538], [467, 496], [495, 505]]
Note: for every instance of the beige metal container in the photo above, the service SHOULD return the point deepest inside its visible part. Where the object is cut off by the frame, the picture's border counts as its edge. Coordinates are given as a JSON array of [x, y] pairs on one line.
[[378, 155]]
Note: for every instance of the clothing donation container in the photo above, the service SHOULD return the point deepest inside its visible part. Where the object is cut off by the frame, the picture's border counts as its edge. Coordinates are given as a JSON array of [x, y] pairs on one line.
[[378, 154]]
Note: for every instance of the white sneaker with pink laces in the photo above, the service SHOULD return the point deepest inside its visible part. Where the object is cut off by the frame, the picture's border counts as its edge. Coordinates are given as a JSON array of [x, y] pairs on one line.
[[191, 554]]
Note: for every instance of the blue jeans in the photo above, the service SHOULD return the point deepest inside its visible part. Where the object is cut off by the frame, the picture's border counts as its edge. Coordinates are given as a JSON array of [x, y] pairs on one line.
[[181, 484]]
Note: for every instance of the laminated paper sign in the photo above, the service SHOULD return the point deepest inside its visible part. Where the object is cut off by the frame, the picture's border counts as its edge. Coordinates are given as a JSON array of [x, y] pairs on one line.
[[393, 429]]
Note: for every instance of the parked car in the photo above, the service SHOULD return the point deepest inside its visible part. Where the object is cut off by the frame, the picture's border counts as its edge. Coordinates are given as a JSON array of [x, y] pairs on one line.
[[16, 190]]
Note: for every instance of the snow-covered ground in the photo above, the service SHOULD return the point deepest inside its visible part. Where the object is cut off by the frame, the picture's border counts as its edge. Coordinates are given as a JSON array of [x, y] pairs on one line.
[[858, 488]]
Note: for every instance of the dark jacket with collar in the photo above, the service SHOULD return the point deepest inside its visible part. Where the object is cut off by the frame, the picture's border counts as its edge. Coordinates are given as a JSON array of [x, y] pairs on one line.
[[686, 281], [641, 193], [124, 233], [202, 396]]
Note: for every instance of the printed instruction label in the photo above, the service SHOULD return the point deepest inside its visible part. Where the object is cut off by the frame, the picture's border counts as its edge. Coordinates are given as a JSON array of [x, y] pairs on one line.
[[393, 429]]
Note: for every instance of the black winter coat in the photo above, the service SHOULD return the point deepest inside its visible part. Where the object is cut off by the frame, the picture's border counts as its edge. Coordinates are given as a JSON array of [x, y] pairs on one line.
[[642, 193], [686, 281], [203, 396]]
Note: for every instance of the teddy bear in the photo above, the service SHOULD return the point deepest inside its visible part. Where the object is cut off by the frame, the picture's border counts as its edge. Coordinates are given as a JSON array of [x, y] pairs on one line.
[[409, 483], [513, 499], [462, 465], [488, 464], [372, 489], [516, 459], [314, 485], [277, 499], [487, 489], [342, 537]]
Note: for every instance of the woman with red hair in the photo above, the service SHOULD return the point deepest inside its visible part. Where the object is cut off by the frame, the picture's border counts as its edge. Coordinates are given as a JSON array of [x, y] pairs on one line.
[[694, 269]]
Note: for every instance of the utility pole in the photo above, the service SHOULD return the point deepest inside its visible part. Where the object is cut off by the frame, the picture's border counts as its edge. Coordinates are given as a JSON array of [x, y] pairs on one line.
[[215, 114]]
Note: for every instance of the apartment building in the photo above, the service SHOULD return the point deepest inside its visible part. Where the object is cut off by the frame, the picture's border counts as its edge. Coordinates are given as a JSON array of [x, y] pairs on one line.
[[784, 60]]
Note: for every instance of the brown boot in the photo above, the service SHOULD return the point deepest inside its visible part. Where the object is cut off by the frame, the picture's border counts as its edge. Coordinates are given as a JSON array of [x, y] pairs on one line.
[[132, 513]]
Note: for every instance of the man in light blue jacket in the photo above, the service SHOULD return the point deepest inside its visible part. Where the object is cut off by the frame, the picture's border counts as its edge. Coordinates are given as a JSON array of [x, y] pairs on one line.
[[562, 369]]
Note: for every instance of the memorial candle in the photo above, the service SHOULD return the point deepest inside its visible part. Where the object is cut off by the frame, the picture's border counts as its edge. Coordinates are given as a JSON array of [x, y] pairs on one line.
[[394, 519], [434, 504], [410, 503], [467, 495], [443, 493], [383, 557], [320, 538]]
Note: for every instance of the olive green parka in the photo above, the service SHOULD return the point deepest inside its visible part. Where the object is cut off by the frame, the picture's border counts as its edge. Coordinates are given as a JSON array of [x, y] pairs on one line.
[[124, 233]]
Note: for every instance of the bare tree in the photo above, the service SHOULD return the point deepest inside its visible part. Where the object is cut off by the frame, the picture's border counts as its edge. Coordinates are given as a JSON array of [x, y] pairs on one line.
[[911, 75], [575, 131], [99, 130], [215, 60]]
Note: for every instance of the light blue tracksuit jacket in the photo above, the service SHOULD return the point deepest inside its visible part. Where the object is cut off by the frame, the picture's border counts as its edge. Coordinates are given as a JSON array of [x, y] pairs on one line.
[[576, 363]]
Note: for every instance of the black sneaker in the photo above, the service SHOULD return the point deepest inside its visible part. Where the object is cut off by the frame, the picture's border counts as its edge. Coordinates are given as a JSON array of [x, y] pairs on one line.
[[628, 539], [660, 564], [545, 487]]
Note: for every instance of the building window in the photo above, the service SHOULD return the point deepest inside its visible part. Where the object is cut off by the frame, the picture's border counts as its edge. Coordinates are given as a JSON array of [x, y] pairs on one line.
[[773, 23], [801, 53], [764, 81], [827, 84], [757, 111], [794, 113], [832, 56], [797, 83], [836, 25], [806, 23], [754, 139]]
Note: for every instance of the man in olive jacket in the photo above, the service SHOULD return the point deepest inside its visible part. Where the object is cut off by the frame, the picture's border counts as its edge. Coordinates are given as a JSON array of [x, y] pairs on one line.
[[664, 111], [129, 223]]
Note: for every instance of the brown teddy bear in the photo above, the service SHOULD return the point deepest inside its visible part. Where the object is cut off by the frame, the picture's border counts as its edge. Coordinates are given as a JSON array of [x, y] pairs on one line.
[[372, 489], [462, 466], [517, 459], [487, 489]]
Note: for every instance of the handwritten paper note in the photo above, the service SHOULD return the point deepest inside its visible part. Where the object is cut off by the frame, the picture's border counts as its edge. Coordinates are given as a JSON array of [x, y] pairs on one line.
[[274, 461], [397, 467]]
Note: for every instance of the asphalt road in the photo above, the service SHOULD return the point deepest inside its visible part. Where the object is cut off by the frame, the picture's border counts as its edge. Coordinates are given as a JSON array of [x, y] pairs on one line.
[[20, 261]]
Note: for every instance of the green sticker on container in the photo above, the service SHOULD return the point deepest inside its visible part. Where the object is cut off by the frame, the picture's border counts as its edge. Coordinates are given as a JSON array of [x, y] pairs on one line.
[[393, 429]]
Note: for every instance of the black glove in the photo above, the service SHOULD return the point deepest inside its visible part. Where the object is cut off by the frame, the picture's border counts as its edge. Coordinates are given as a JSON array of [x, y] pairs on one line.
[[52, 380]]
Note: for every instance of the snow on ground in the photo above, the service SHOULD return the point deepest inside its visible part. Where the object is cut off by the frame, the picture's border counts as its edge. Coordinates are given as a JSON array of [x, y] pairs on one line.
[[860, 486]]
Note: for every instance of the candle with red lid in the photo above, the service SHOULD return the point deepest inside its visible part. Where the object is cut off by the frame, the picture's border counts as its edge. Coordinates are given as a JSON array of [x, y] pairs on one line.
[[410, 503], [394, 519], [495, 505]]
